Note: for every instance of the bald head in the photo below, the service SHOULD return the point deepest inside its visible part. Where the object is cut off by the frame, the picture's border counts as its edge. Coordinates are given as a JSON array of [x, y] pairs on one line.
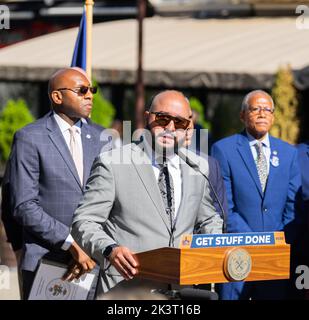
[[67, 100], [82, 71], [62, 77], [168, 120], [177, 100]]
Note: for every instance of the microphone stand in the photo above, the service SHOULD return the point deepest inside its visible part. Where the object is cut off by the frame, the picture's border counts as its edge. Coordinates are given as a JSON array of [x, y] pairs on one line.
[[195, 167]]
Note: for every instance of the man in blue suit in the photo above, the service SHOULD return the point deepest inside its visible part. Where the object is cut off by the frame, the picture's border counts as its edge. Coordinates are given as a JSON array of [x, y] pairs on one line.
[[262, 179], [49, 165]]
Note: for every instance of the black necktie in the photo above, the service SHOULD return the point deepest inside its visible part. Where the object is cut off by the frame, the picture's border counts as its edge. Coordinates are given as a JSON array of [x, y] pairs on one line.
[[166, 186]]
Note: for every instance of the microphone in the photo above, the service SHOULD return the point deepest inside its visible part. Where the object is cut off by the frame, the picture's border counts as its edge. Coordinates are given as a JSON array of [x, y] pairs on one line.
[[196, 167], [188, 294]]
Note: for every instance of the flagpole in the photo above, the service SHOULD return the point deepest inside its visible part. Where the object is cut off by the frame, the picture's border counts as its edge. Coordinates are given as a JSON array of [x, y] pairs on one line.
[[89, 18], [140, 90]]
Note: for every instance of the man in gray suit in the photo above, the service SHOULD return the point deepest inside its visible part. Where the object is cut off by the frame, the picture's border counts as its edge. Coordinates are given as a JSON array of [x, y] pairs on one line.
[[49, 165], [126, 209]]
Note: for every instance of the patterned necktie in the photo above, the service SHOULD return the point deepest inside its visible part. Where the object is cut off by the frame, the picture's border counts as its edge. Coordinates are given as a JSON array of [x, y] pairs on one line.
[[261, 164], [166, 186], [76, 153]]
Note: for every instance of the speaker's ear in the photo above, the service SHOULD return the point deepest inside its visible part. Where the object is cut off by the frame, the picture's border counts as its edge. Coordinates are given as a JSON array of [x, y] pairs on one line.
[[56, 97], [242, 116], [146, 116]]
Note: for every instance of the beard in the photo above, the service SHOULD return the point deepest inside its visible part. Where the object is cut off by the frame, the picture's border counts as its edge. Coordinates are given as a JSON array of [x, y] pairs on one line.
[[163, 150], [167, 149]]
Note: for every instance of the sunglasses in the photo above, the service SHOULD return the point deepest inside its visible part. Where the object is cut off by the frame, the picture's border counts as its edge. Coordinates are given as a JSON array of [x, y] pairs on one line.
[[163, 119], [81, 90]]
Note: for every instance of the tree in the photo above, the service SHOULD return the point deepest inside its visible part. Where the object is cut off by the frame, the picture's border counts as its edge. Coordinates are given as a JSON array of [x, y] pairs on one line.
[[103, 111], [199, 108], [286, 125], [13, 117]]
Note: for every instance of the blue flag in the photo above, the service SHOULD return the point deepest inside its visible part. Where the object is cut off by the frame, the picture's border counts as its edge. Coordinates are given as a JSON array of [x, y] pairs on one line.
[[79, 55]]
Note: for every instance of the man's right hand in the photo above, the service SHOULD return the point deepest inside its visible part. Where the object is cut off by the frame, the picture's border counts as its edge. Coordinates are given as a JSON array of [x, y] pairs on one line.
[[124, 261]]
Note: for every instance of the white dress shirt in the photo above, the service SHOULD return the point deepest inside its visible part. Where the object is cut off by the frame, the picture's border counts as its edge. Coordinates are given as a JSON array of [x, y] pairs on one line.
[[266, 148], [174, 170], [64, 128]]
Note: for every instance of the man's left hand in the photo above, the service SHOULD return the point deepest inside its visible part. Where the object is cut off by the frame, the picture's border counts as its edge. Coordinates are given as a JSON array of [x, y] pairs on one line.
[[82, 264]]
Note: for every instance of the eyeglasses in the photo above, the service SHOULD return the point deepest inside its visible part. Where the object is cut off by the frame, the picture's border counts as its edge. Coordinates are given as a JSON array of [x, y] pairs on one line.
[[81, 90], [163, 119], [257, 110]]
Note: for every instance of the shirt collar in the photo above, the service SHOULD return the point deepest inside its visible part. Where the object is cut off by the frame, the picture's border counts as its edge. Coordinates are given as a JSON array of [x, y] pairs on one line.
[[253, 141], [64, 126]]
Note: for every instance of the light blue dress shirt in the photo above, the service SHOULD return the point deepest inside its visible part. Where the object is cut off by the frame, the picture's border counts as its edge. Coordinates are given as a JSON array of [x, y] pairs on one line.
[[266, 148]]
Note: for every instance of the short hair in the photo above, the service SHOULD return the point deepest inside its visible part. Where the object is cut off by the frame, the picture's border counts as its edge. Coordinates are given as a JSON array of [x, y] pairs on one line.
[[245, 102]]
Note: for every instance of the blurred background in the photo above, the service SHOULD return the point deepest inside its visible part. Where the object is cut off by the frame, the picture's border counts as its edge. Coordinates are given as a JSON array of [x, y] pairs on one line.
[[213, 51]]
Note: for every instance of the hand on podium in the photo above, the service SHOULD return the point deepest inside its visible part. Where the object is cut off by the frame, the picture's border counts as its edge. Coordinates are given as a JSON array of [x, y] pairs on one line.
[[124, 261]]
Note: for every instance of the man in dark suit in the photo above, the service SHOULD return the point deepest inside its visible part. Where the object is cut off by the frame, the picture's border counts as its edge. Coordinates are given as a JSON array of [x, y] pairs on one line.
[[215, 176], [13, 230], [49, 165], [303, 155], [262, 179], [303, 241]]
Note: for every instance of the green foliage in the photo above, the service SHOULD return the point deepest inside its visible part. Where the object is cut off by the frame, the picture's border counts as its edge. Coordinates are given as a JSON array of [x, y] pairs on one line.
[[286, 124], [13, 117], [197, 106], [103, 111]]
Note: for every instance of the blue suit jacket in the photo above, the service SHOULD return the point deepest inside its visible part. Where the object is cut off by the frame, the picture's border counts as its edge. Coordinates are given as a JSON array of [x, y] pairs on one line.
[[250, 209], [45, 188]]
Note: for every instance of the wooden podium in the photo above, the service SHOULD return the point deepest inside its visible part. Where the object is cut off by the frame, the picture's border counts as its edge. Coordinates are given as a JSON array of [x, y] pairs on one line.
[[188, 266]]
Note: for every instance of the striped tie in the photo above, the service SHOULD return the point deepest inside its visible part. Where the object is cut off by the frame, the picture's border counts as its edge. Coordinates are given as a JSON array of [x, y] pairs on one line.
[[261, 164], [166, 186]]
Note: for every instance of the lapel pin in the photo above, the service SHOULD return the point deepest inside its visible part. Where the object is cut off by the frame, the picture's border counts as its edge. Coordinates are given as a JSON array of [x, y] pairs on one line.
[[88, 136], [274, 159]]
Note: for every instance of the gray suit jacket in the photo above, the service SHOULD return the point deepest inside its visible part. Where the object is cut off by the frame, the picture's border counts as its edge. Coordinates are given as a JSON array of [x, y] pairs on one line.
[[44, 186], [122, 204]]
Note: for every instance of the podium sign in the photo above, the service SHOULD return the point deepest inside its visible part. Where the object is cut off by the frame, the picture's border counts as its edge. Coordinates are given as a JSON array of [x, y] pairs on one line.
[[218, 259]]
